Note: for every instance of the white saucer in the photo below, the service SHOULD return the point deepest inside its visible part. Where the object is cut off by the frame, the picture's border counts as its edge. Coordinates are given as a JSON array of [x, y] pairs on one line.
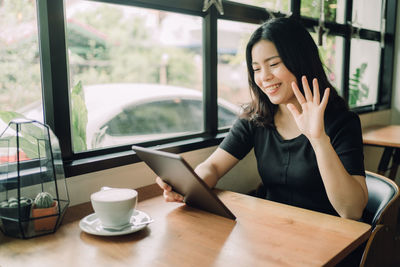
[[92, 225]]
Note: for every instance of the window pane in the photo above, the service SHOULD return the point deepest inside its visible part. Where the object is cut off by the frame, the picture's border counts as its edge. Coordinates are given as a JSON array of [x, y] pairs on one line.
[[274, 5], [226, 116], [174, 116], [232, 72], [364, 72], [333, 9], [20, 81], [367, 14], [127, 58], [331, 53]]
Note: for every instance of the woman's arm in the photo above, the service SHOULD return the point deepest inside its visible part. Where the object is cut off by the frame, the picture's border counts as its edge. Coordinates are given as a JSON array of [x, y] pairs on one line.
[[216, 166], [211, 170], [348, 194]]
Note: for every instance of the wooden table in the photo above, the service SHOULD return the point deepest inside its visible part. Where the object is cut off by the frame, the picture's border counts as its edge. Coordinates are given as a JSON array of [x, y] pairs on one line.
[[265, 234], [388, 137]]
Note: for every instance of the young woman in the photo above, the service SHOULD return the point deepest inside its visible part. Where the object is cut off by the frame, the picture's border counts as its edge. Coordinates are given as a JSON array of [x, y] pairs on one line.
[[308, 145]]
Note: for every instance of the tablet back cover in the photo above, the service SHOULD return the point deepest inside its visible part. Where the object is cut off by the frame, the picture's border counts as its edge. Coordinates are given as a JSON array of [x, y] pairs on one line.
[[175, 171]]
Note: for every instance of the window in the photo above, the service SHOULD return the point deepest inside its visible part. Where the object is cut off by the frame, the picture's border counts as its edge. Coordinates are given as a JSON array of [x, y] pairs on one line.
[[20, 84], [172, 116], [353, 63], [272, 5], [127, 55], [232, 71], [364, 72], [367, 14], [331, 53], [333, 9], [99, 62]]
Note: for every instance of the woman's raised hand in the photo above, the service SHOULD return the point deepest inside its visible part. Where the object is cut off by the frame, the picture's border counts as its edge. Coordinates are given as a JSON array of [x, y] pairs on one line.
[[310, 120], [169, 195]]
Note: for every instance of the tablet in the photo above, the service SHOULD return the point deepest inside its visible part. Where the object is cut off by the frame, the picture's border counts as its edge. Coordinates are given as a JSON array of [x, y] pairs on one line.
[[175, 171]]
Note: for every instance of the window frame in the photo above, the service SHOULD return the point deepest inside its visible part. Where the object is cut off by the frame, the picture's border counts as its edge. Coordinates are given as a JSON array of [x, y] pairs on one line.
[[55, 74]]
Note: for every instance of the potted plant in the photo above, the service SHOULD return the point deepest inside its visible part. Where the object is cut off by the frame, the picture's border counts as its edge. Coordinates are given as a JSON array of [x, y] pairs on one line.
[[26, 176], [44, 206], [11, 218]]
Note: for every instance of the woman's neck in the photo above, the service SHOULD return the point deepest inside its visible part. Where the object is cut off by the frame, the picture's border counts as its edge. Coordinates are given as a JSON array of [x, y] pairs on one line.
[[285, 123], [283, 111]]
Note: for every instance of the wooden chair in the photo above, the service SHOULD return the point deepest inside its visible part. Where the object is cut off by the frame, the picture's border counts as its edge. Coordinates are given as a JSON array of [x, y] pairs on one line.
[[381, 212], [383, 195], [380, 247]]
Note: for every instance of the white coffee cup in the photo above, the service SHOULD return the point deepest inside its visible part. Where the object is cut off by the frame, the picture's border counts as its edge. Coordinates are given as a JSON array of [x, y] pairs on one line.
[[114, 206]]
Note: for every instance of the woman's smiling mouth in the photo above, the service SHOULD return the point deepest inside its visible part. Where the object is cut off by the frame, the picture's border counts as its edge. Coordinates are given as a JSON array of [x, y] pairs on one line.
[[272, 89]]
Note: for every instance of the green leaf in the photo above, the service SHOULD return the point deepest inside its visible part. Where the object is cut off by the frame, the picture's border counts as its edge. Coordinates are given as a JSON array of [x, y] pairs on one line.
[[79, 118], [7, 116], [358, 91]]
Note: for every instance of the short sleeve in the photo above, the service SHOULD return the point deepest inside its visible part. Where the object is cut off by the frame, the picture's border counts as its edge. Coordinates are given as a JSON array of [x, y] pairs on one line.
[[346, 138], [240, 139]]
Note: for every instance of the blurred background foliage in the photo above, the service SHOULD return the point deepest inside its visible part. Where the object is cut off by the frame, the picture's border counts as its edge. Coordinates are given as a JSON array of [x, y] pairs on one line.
[[91, 40], [129, 51]]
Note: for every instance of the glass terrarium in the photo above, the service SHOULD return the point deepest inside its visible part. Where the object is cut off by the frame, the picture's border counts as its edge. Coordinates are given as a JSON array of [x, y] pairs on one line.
[[33, 190]]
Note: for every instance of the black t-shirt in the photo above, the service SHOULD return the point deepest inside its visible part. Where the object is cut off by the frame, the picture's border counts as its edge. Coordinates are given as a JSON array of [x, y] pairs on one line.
[[288, 168]]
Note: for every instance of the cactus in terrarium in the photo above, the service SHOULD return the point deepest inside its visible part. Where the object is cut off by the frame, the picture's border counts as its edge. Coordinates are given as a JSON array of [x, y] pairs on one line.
[[14, 215], [43, 200], [13, 202]]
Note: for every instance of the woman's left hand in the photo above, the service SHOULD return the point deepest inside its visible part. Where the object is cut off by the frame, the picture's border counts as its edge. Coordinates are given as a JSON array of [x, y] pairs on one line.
[[310, 120]]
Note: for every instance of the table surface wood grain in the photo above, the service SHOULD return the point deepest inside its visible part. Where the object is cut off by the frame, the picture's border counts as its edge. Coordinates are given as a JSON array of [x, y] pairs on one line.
[[265, 233], [382, 135]]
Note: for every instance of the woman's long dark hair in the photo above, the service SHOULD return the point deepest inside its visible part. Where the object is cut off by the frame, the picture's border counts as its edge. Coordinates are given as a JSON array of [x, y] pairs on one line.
[[299, 53]]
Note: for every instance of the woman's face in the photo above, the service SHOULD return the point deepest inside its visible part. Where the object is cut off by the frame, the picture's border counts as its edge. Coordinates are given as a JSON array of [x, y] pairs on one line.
[[271, 75]]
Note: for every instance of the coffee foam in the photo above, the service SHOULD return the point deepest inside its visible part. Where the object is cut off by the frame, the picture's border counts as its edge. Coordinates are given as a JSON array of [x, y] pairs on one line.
[[114, 194]]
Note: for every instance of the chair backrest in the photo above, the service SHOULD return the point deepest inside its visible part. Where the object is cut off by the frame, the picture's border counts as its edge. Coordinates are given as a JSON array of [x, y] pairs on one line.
[[380, 249], [382, 193]]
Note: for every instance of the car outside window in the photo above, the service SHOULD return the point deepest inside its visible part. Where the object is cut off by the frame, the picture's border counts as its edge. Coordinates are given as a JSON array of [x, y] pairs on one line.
[[157, 117]]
